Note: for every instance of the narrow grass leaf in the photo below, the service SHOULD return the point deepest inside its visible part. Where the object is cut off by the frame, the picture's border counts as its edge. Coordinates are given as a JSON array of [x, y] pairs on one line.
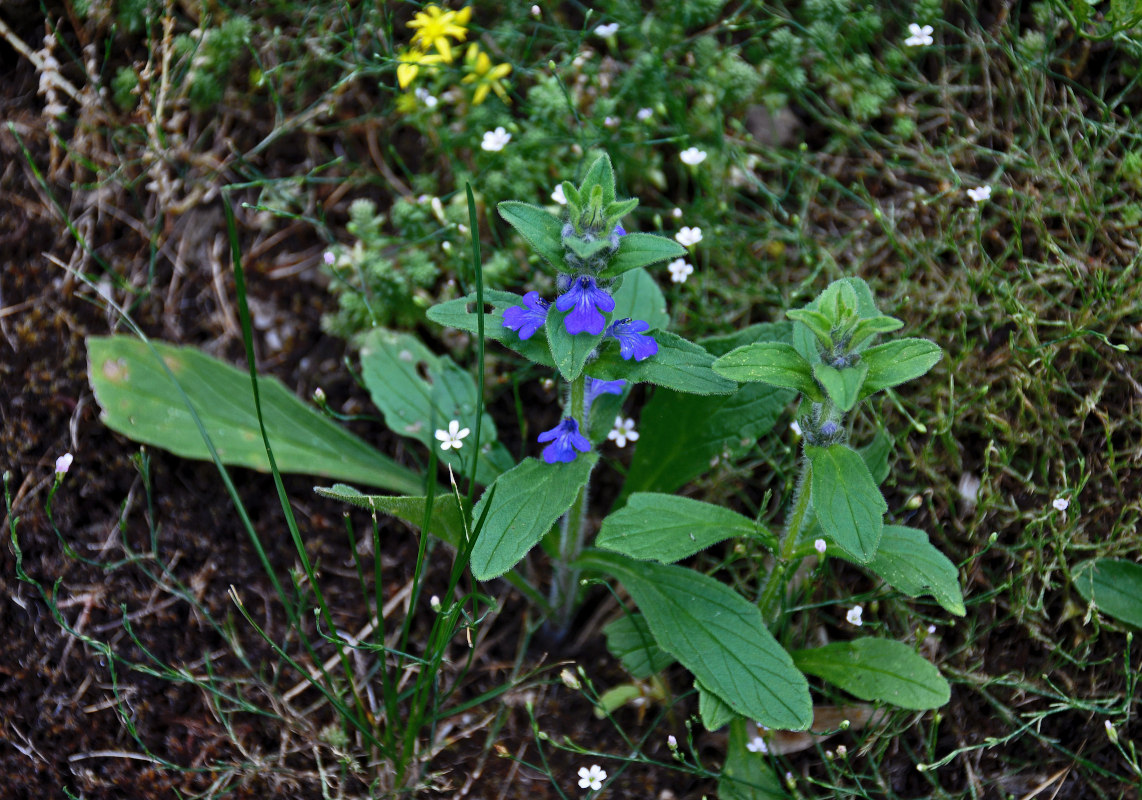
[[848, 504], [140, 401], [1114, 586], [667, 528], [446, 522], [529, 499], [879, 670], [718, 635]]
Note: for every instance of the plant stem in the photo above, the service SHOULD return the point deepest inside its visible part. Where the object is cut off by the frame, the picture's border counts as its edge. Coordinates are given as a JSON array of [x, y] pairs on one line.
[[565, 581], [775, 583]]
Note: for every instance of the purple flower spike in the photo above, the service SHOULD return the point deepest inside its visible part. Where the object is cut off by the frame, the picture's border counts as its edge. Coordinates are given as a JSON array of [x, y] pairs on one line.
[[565, 440], [596, 387], [633, 341], [526, 321], [587, 300]]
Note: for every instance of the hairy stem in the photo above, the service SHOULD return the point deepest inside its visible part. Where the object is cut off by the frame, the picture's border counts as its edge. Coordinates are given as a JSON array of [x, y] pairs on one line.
[[565, 582], [775, 583]]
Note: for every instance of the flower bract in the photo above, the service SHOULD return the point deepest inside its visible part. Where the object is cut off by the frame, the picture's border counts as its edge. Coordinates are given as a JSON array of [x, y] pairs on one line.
[[528, 318], [586, 302], [565, 440], [633, 341], [434, 26]]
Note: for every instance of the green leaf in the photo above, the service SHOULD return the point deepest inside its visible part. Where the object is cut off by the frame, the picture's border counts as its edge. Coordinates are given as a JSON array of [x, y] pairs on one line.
[[848, 504], [746, 775], [528, 500], [640, 298], [803, 338], [867, 328], [587, 250], [420, 392], [878, 669], [1114, 586], [461, 314], [641, 250], [679, 365], [714, 711], [667, 528], [630, 641], [570, 353], [543, 231], [774, 363], [718, 635], [600, 174], [876, 454], [815, 321], [908, 562], [140, 401], [842, 385], [620, 208], [447, 523], [893, 363]]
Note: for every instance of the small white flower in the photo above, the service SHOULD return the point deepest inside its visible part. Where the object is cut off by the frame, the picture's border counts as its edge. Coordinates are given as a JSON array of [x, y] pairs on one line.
[[423, 96], [535, 12], [680, 270], [63, 463], [1061, 503], [820, 545], [688, 236], [611, 122], [672, 742], [854, 616], [623, 432], [494, 141], [644, 114], [757, 745], [592, 778], [434, 603], [795, 427], [453, 436], [329, 258], [980, 193], [558, 195], [842, 751], [931, 629], [610, 29], [676, 213], [692, 156], [921, 35]]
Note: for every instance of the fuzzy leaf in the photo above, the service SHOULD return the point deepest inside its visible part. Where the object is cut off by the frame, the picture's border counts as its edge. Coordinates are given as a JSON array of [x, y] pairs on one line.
[[774, 363], [848, 504], [570, 353], [878, 669], [447, 523], [460, 314], [842, 385], [714, 711], [640, 298], [1114, 586], [641, 250], [528, 500], [630, 641], [718, 635], [908, 562], [679, 364], [543, 231], [140, 401], [667, 528], [602, 175], [746, 775], [893, 363]]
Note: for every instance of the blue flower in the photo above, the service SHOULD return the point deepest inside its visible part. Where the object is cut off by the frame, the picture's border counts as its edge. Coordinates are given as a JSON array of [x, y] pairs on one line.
[[565, 440], [633, 341], [620, 230], [596, 387], [527, 320], [587, 300]]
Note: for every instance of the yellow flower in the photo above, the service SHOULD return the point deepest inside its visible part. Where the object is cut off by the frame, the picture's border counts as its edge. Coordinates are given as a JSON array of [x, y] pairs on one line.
[[434, 25], [484, 75], [410, 62]]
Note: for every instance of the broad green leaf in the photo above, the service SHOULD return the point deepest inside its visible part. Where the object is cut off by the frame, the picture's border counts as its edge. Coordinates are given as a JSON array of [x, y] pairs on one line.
[[842, 385], [774, 363], [528, 500], [641, 250], [713, 710], [681, 436], [570, 353], [620, 208], [447, 523], [758, 332], [878, 669], [848, 504], [604, 409], [630, 641], [815, 321], [640, 298], [893, 363], [667, 528], [587, 250], [867, 328], [1114, 586], [908, 562], [461, 314], [718, 635], [679, 365], [746, 775], [420, 392], [543, 231], [140, 401], [875, 455], [600, 174]]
